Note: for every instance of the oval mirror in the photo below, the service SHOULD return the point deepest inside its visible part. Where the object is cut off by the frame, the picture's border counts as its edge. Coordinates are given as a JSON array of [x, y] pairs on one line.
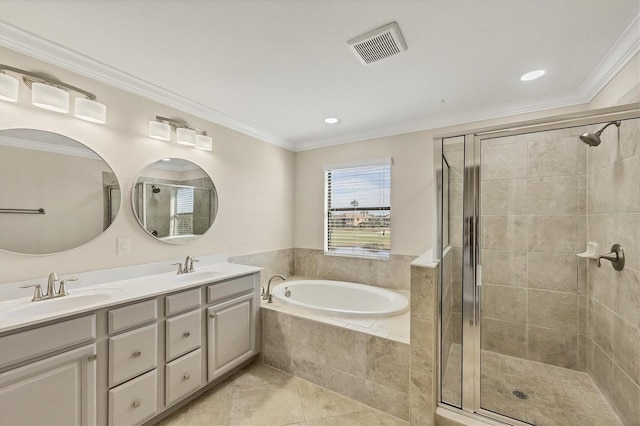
[[174, 200], [56, 193]]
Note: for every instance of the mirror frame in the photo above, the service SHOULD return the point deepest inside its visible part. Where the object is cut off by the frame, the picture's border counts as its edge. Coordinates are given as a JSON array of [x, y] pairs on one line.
[[213, 211]]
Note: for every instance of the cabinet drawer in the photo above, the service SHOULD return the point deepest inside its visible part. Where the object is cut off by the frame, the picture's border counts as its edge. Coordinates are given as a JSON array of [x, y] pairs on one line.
[[183, 334], [132, 315], [30, 344], [182, 301], [184, 375], [227, 289], [134, 401], [132, 353]]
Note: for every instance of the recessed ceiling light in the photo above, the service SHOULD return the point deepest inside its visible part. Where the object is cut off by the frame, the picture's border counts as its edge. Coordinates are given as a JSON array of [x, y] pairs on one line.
[[166, 159], [331, 120], [532, 75]]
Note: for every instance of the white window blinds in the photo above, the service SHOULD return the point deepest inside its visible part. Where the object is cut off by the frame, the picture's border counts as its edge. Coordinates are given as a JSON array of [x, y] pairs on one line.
[[358, 209]]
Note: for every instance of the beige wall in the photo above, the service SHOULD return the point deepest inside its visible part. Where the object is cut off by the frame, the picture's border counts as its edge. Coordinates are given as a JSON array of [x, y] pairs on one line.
[[254, 180]]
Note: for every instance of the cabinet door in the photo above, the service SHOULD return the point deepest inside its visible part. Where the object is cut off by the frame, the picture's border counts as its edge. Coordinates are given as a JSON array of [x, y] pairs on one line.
[[60, 390], [231, 334]]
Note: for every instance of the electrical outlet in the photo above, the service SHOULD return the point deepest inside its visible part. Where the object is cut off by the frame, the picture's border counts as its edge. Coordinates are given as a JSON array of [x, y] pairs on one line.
[[124, 245]]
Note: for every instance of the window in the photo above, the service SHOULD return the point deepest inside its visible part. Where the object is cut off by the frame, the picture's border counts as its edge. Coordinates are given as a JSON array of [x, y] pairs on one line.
[[358, 209], [183, 218]]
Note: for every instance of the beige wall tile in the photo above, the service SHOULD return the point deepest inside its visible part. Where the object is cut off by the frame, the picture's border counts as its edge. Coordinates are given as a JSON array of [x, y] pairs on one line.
[[423, 346], [346, 350], [582, 353], [276, 330], [308, 339], [422, 292], [503, 197], [387, 363], [603, 328], [277, 358], [626, 348], [455, 231], [552, 347], [552, 309], [603, 371], [504, 232], [504, 303], [555, 157], [308, 370], [625, 397], [552, 233], [582, 314], [552, 195], [421, 400], [601, 283], [504, 337], [552, 271], [504, 267], [386, 399], [344, 384], [504, 161], [627, 297], [629, 137], [626, 232]]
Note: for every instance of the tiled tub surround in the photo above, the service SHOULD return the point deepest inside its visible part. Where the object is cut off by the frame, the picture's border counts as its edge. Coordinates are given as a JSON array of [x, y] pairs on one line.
[[613, 344], [386, 363]]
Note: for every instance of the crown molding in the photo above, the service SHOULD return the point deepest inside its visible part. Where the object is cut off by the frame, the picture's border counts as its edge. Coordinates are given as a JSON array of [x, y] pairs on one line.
[[622, 51], [79, 151], [45, 50]]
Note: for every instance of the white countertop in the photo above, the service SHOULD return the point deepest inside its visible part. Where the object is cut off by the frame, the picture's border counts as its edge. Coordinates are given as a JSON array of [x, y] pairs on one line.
[[125, 287]]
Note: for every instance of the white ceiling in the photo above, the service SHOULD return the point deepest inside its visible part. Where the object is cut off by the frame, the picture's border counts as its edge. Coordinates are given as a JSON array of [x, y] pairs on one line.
[[275, 69]]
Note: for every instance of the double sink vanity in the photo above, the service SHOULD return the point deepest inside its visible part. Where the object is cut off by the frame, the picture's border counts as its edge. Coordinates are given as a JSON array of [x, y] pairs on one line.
[[126, 345]]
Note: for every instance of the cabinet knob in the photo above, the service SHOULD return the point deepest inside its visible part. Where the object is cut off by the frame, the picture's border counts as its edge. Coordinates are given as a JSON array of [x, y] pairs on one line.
[[186, 376], [136, 354], [186, 334], [212, 315], [135, 404]]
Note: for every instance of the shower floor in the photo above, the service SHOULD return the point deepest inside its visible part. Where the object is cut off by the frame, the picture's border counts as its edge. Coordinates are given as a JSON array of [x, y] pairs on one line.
[[556, 396]]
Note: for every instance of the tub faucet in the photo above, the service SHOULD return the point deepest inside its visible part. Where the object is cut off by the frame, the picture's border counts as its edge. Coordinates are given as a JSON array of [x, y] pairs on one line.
[[266, 295]]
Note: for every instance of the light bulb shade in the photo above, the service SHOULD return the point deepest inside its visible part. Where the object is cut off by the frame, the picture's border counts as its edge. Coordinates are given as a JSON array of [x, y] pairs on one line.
[[204, 142], [186, 136], [8, 88], [49, 97], [86, 109], [159, 130]]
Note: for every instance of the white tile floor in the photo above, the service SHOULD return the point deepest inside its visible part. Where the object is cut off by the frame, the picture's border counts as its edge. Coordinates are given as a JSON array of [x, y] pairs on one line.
[[262, 396]]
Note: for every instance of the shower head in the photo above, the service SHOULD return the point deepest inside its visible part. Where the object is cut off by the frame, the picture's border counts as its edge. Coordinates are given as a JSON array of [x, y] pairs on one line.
[[156, 189], [593, 139]]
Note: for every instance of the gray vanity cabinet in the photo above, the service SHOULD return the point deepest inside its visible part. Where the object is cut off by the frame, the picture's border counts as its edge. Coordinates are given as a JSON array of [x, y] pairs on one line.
[[232, 324], [31, 394]]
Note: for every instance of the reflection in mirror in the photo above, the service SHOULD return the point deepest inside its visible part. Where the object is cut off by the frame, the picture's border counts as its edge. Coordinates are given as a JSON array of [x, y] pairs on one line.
[[56, 193], [174, 200]]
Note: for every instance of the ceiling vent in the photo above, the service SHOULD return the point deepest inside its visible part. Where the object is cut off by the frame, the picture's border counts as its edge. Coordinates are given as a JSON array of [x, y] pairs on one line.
[[378, 44]]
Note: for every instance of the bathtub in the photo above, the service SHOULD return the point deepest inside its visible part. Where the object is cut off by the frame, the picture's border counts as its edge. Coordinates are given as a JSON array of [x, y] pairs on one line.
[[339, 298]]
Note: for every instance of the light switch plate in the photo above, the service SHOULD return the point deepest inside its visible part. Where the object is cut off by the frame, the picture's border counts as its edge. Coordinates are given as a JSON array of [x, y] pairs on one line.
[[124, 245]]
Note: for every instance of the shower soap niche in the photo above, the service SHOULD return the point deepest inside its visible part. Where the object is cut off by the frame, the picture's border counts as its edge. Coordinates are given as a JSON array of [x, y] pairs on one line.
[[591, 252]]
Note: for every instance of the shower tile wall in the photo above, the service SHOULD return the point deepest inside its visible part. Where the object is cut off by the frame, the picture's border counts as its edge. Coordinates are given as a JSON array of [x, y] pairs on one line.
[[533, 195], [614, 296]]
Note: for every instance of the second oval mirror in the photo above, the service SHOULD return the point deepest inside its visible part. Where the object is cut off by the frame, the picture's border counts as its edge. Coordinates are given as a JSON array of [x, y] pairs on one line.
[[174, 200]]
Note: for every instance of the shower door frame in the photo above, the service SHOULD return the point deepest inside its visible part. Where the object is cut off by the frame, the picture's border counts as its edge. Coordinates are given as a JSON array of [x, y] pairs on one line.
[[470, 403]]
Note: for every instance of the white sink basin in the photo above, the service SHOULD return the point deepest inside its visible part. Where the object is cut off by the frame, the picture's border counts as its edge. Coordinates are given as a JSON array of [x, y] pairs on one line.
[[202, 276], [77, 299]]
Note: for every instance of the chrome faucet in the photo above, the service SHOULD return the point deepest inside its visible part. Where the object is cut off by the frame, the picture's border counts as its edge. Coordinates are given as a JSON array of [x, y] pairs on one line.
[[51, 290], [266, 295]]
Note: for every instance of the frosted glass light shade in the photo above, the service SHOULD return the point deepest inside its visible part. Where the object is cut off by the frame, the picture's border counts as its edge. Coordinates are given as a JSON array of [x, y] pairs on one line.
[[49, 97], [159, 130], [8, 88], [86, 109], [204, 143], [186, 136]]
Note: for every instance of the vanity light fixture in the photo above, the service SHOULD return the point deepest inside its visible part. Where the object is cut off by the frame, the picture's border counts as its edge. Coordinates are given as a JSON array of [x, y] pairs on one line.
[[161, 127], [51, 94]]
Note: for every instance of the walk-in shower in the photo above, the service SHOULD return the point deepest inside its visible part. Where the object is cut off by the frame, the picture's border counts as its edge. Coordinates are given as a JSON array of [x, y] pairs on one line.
[[593, 138], [530, 333]]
